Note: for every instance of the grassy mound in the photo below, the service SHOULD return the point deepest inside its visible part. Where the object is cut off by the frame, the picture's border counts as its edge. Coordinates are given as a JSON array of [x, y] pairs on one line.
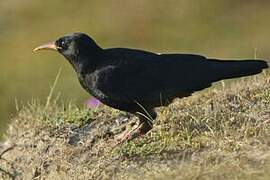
[[222, 133]]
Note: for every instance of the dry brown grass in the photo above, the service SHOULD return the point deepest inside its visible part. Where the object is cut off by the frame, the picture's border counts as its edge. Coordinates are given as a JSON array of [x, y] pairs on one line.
[[221, 133]]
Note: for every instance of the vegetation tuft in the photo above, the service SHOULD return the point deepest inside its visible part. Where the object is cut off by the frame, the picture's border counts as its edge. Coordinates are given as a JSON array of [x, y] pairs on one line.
[[221, 133]]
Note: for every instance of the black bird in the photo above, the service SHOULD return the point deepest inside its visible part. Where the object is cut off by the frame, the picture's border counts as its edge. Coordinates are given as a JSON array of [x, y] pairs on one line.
[[137, 81]]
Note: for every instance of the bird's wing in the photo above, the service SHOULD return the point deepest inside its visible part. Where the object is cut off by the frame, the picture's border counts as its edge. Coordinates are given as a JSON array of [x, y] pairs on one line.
[[148, 77]]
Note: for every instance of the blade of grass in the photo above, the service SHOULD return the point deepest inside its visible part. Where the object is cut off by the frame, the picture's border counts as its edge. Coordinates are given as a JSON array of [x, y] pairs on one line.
[[52, 89]]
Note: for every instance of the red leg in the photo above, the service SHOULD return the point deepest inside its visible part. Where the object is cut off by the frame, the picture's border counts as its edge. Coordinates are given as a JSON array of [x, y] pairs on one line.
[[124, 134], [139, 130], [142, 128]]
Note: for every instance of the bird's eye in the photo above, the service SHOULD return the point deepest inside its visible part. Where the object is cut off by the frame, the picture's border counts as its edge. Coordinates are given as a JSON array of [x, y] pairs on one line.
[[63, 44]]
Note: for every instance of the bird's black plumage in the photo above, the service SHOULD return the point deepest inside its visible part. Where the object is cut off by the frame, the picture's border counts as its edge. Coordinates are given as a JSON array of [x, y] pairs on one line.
[[138, 81]]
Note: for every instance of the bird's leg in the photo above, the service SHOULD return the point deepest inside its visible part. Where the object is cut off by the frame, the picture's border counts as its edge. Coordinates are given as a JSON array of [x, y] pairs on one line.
[[145, 125], [141, 129], [128, 128]]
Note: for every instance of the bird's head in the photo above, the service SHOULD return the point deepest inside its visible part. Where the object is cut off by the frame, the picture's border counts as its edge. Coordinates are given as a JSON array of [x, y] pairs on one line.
[[73, 47]]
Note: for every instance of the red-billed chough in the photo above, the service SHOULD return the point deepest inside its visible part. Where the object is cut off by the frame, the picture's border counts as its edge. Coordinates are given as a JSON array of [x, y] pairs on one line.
[[137, 81]]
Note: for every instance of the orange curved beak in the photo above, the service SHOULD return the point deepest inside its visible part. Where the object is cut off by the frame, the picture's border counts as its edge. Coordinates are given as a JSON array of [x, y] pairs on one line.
[[47, 46]]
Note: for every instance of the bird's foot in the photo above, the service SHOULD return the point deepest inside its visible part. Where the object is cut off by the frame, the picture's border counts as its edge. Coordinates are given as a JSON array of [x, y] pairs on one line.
[[127, 128], [135, 132], [124, 134]]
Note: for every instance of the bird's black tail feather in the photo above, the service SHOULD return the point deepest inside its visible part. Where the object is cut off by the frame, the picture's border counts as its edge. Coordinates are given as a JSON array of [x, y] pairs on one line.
[[232, 68]]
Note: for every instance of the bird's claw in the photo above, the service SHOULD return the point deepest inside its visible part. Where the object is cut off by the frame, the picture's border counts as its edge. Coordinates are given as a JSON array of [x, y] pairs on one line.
[[138, 131]]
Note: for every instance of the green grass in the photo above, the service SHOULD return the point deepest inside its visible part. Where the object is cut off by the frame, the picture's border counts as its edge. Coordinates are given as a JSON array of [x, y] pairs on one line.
[[220, 133]]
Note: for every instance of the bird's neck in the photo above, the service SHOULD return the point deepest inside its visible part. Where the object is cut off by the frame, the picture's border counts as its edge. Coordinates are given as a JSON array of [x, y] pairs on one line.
[[86, 64]]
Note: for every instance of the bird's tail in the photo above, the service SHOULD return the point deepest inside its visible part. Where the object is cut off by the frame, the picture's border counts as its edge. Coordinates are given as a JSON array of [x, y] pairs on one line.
[[232, 69]]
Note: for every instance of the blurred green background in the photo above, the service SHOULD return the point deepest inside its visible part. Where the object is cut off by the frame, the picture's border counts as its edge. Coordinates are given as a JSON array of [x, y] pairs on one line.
[[229, 29]]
